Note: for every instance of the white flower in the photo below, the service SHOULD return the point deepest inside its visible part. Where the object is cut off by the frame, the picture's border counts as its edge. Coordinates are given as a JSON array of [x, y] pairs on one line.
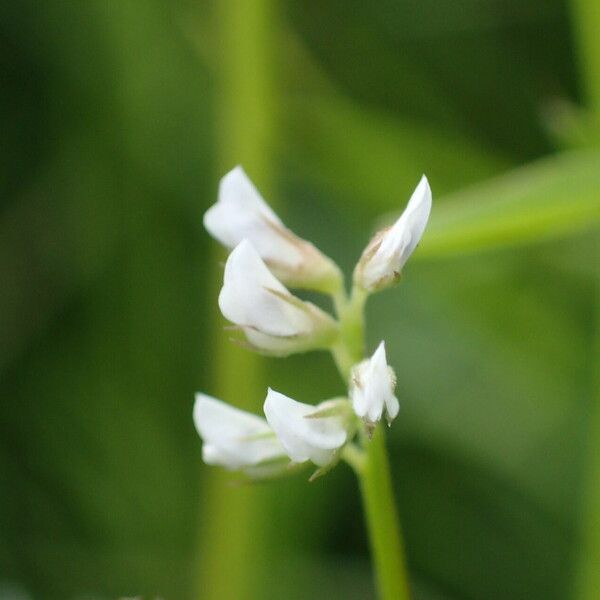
[[385, 256], [274, 321], [372, 388], [307, 432], [241, 213], [236, 439]]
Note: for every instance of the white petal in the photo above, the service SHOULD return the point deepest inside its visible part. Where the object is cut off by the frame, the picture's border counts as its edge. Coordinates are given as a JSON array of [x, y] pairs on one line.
[[212, 455], [247, 300], [277, 346], [372, 388], [237, 192], [408, 229], [241, 213], [392, 407], [233, 438], [315, 439], [395, 245]]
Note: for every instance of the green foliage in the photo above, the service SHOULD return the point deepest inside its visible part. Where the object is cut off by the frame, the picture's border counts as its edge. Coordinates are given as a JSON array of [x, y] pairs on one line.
[[555, 197], [111, 136]]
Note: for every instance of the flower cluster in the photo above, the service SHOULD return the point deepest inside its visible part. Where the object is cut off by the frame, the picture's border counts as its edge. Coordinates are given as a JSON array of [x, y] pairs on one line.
[[265, 258]]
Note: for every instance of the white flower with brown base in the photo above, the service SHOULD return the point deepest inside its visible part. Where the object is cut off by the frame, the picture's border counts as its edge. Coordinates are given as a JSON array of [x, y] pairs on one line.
[[237, 440], [386, 254], [278, 323], [273, 320], [307, 432], [241, 213], [372, 387]]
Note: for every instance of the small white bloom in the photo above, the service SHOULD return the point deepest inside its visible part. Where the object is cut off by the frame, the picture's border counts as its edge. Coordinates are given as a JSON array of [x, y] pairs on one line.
[[372, 388], [307, 432], [237, 440], [385, 256], [274, 321], [241, 213]]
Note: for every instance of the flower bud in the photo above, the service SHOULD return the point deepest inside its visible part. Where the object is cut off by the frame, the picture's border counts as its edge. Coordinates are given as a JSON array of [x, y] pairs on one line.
[[383, 259], [274, 321], [308, 432], [241, 213], [237, 440], [372, 389]]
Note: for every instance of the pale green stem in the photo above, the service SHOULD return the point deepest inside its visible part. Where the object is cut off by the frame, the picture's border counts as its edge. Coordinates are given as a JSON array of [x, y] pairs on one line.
[[385, 535], [588, 567], [586, 21], [233, 540], [344, 360], [350, 347], [586, 18], [371, 464], [354, 456]]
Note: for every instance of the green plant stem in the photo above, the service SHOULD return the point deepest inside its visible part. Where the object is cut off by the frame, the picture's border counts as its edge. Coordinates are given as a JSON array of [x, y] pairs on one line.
[[350, 348], [344, 360], [371, 465], [586, 20], [588, 567], [233, 521], [385, 536], [354, 456]]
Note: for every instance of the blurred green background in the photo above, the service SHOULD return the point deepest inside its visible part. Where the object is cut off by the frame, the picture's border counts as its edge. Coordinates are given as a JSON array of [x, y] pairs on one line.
[[117, 119]]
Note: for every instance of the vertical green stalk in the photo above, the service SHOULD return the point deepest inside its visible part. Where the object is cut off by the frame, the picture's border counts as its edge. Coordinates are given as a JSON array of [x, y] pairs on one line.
[[232, 519], [588, 575], [350, 348], [385, 536], [373, 472], [586, 18]]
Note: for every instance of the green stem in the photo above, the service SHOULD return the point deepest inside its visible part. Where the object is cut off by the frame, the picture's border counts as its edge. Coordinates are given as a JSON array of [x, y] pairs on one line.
[[350, 348], [586, 20], [354, 456], [385, 535], [586, 17], [344, 360], [234, 521], [588, 568], [372, 465]]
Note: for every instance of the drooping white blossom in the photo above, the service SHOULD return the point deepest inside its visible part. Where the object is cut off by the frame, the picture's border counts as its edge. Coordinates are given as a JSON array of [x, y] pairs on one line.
[[383, 259], [241, 213], [273, 320], [308, 432], [237, 440], [372, 387]]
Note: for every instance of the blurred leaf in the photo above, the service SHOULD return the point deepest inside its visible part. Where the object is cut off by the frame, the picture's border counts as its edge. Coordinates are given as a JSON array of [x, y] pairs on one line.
[[54, 241], [109, 161], [482, 67], [493, 360], [587, 575], [474, 534], [570, 125], [370, 157], [102, 329], [553, 197]]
